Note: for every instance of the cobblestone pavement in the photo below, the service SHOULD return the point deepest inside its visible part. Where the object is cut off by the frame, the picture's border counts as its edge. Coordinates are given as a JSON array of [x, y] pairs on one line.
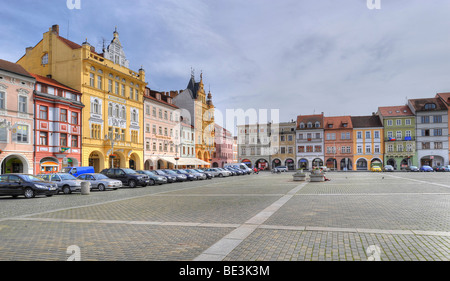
[[265, 217]]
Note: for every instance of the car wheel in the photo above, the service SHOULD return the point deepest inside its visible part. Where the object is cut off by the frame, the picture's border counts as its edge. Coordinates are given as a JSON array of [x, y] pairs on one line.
[[152, 182], [220, 175], [132, 183], [29, 193], [101, 187], [66, 189]]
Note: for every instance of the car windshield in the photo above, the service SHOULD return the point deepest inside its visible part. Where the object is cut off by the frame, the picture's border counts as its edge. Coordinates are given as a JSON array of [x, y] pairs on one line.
[[31, 178], [101, 177], [183, 171], [161, 173], [170, 172], [129, 171], [67, 177]]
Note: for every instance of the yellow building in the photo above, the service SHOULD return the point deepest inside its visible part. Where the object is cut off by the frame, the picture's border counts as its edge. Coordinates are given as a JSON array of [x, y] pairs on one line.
[[112, 124], [368, 142], [198, 110]]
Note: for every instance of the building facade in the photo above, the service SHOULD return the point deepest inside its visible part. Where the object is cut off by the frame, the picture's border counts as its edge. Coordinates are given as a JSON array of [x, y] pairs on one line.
[[431, 131], [338, 143], [399, 136], [368, 142], [161, 130], [283, 145], [57, 134], [197, 106], [16, 119], [254, 145], [224, 147], [111, 92], [310, 141]]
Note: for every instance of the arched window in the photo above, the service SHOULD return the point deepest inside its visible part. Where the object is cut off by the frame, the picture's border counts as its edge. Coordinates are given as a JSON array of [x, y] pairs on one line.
[[110, 109], [309, 125], [96, 107], [116, 111], [302, 125], [317, 124], [123, 113], [134, 115]]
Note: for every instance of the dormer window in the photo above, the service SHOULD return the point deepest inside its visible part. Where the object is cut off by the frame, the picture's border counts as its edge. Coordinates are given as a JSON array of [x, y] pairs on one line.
[[309, 125], [302, 125], [158, 96], [330, 125], [344, 125], [429, 106], [317, 124]]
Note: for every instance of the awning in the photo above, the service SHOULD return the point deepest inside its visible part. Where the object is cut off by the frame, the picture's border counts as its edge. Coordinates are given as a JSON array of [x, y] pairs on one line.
[[183, 161], [168, 159], [49, 164]]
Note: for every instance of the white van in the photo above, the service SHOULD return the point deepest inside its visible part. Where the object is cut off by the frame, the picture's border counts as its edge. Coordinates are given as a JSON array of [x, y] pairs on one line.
[[240, 166]]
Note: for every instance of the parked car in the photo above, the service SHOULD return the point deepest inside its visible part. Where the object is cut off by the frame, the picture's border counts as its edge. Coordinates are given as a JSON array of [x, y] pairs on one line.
[[77, 171], [207, 174], [66, 182], [388, 168], [170, 178], [440, 169], [100, 181], [179, 177], [241, 166], [447, 168], [128, 177], [189, 176], [200, 175], [426, 168], [412, 169], [27, 185], [281, 169], [375, 169], [219, 173], [154, 178], [237, 171]]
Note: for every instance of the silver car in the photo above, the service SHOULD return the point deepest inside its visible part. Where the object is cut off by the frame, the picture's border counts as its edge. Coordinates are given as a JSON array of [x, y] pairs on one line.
[[66, 182], [219, 172], [100, 181]]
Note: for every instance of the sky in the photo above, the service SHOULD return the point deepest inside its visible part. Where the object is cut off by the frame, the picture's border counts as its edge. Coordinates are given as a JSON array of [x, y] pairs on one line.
[[298, 57]]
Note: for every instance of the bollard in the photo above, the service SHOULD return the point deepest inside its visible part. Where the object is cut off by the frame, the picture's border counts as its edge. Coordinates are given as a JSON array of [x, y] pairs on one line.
[[85, 188]]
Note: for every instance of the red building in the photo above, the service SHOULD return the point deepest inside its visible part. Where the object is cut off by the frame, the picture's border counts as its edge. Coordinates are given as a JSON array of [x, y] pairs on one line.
[[57, 123], [338, 142]]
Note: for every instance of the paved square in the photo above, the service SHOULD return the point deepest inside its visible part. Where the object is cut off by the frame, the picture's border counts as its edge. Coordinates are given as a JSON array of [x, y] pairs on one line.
[[265, 217]]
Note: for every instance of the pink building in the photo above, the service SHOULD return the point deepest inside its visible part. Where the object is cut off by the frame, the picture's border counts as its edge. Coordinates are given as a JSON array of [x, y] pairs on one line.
[[224, 147], [161, 130], [16, 119]]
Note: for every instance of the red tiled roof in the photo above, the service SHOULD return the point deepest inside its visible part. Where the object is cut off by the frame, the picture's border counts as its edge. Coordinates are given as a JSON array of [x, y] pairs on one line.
[[310, 118], [52, 82], [14, 68], [151, 94], [445, 97], [337, 122], [69, 43], [402, 110]]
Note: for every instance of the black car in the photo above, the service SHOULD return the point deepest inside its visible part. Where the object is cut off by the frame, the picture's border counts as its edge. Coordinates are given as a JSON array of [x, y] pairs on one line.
[[170, 178], [27, 185], [179, 177], [189, 176], [154, 178], [128, 177]]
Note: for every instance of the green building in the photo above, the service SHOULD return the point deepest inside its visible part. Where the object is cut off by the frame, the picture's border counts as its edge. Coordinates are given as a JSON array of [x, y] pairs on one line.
[[399, 136]]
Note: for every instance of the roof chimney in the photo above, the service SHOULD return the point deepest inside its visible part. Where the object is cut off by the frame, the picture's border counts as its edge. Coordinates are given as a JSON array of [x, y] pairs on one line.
[[55, 29], [28, 49]]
